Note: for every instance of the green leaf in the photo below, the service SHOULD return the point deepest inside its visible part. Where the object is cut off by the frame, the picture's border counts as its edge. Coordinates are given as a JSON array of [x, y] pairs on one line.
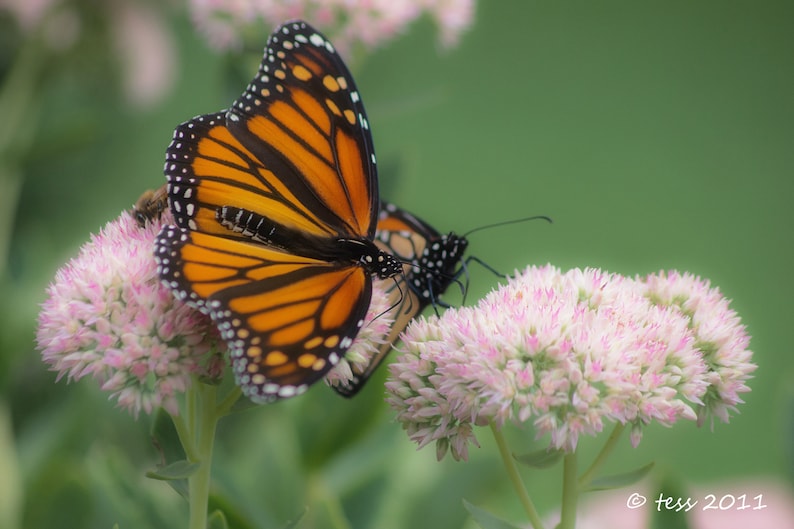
[[165, 438], [542, 458], [180, 486], [485, 519], [217, 520], [617, 481], [232, 512], [177, 470]]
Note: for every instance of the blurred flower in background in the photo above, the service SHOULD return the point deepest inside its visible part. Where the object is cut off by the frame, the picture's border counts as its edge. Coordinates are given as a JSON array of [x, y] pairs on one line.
[[29, 13], [138, 33], [48, 43], [147, 51], [348, 23]]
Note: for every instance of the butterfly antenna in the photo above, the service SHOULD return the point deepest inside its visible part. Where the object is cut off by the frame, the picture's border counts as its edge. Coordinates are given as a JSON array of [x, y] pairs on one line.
[[507, 222], [464, 268]]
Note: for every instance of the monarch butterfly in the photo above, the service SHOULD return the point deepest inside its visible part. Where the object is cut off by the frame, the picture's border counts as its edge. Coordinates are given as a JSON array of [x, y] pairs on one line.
[[430, 267], [275, 203], [432, 263]]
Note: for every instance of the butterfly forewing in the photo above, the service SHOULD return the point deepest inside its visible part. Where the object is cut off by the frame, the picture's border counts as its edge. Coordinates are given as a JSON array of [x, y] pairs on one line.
[[303, 114], [208, 168]]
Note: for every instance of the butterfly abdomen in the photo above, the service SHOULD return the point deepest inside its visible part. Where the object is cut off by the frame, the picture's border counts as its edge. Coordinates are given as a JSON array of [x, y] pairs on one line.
[[342, 250], [249, 224]]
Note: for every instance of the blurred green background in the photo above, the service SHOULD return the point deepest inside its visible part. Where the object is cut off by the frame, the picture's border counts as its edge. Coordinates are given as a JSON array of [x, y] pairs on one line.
[[657, 135]]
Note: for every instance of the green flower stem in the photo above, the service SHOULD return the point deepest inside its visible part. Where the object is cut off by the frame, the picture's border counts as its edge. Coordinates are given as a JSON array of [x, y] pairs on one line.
[[196, 430], [570, 492], [606, 450], [202, 420], [515, 478]]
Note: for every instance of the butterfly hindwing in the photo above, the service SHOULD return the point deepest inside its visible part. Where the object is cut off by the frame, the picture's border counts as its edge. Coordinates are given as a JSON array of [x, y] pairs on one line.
[[285, 318]]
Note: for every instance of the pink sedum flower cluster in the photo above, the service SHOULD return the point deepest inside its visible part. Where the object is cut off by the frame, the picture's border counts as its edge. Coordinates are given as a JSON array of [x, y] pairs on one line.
[[107, 315], [569, 352], [347, 23], [720, 337]]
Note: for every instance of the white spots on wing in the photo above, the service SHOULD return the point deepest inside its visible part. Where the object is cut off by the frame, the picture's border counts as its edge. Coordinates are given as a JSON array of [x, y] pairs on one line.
[[316, 39]]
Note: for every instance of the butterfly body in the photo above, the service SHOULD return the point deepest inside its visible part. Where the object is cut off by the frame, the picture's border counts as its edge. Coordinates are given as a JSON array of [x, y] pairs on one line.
[[340, 250], [275, 204]]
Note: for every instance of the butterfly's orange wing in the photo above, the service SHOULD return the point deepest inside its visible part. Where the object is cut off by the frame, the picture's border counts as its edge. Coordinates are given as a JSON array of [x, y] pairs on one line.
[[296, 146], [287, 318], [272, 199]]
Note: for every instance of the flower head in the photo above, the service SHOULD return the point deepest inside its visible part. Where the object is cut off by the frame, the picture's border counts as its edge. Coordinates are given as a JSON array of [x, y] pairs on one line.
[[108, 315], [567, 351], [718, 334]]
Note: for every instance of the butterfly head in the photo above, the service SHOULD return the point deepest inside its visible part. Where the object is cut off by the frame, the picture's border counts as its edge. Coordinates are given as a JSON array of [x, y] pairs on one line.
[[381, 264]]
